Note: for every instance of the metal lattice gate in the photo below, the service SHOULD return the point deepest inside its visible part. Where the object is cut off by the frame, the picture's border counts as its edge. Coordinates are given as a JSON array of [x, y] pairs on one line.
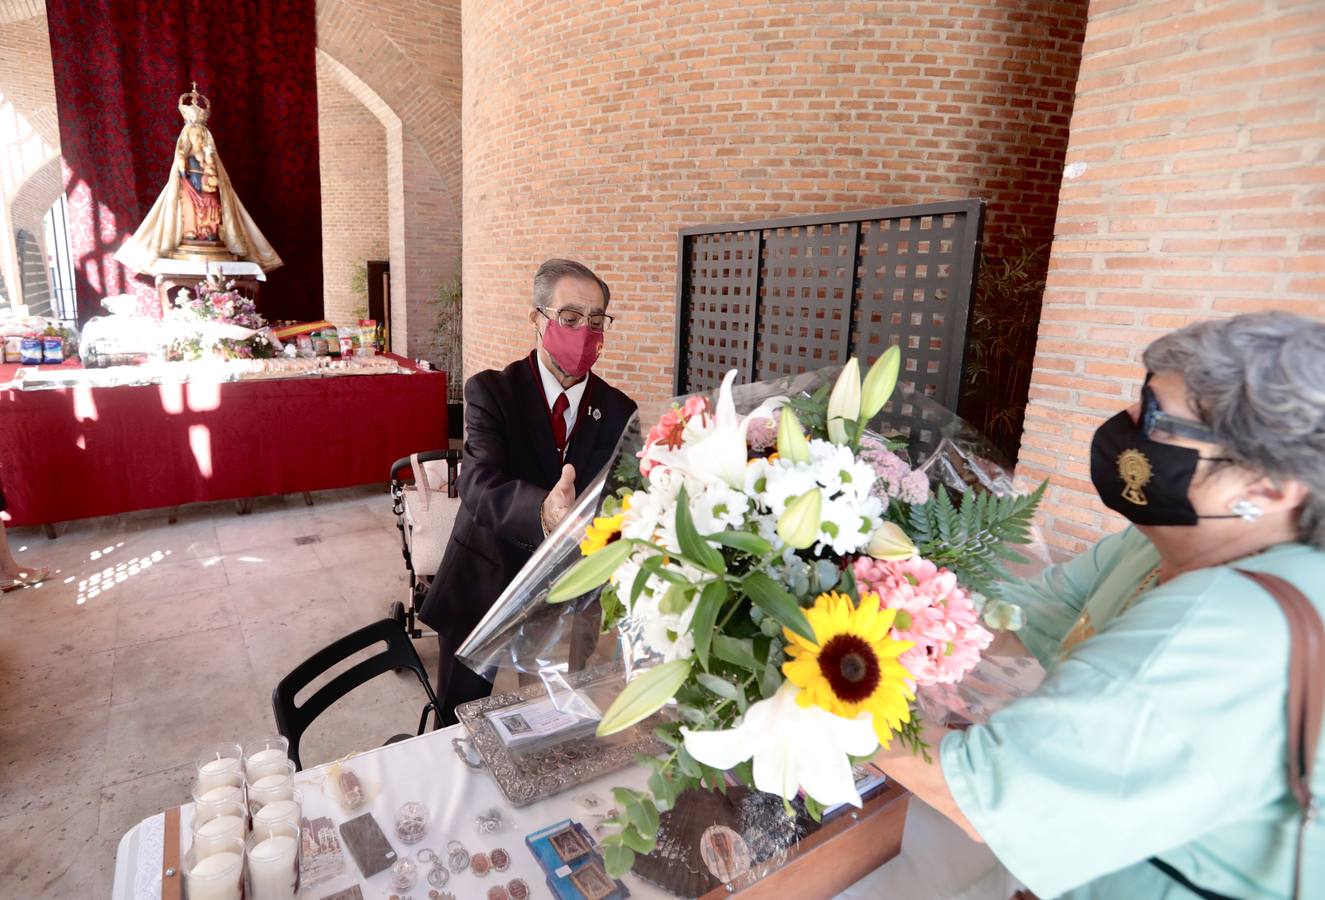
[[782, 297]]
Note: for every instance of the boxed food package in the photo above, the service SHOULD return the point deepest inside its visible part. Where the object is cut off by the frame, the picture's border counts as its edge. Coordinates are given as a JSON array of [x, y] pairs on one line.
[[30, 351], [52, 349]]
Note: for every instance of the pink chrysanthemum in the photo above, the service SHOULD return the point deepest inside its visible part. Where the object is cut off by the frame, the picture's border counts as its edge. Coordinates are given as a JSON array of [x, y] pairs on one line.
[[934, 612]]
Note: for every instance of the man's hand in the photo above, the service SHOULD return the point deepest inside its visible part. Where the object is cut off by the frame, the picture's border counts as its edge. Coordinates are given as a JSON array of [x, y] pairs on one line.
[[559, 499]]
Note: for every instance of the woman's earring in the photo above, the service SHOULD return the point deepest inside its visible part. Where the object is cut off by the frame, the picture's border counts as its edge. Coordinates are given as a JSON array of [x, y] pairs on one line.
[[1243, 507]]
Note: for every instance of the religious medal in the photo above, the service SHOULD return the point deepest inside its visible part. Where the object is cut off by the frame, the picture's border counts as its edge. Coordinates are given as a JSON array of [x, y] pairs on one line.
[[457, 857], [500, 859], [518, 889], [497, 892], [479, 864]]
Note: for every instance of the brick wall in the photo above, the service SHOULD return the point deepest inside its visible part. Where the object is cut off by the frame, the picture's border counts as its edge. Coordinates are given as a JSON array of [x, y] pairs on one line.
[[597, 129], [1201, 130], [29, 135], [354, 193], [403, 59]]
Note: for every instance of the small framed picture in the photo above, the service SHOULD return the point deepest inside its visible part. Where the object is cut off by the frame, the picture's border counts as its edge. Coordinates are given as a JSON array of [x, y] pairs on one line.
[[592, 882], [516, 724], [569, 844]]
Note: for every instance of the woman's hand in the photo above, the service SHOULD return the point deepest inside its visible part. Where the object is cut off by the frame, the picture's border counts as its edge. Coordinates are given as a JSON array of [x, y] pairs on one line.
[[925, 779]]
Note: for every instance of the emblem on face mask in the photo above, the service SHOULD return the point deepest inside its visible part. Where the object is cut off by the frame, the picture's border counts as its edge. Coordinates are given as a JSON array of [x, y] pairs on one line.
[[1134, 469]]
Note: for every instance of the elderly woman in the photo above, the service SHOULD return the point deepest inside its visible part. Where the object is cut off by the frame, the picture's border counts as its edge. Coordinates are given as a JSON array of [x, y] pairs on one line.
[[1151, 761]]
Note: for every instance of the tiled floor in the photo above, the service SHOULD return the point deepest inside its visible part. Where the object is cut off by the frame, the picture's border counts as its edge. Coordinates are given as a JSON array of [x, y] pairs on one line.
[[151, 640]]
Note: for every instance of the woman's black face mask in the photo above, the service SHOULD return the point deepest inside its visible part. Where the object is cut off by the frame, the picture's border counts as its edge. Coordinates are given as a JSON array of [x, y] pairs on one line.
[[1145, 480]]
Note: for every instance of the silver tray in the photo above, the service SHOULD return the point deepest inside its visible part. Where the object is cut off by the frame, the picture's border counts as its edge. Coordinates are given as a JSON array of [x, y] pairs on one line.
[[531, 776]]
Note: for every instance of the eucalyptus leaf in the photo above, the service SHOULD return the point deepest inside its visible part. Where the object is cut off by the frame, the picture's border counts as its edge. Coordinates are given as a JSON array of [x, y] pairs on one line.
[[637, 842], [773, 599], [644, 695], [826, 575], [617, 859], [590, 572], [706, 614], [692, 545]]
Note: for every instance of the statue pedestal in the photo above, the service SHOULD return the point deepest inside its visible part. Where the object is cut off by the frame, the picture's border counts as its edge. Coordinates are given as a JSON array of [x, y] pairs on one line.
[[173, 274]]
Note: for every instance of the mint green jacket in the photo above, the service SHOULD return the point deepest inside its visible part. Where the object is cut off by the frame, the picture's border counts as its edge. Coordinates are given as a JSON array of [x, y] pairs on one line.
[[1163, 735]]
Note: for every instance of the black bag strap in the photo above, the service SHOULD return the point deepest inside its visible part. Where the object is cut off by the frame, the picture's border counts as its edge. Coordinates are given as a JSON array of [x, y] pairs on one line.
[[1306, 710]]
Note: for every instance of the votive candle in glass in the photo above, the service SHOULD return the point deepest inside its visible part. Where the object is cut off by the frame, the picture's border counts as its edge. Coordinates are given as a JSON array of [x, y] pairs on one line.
[[212, 803], [278, 811], [219, 765], [273, 864], [265, 756], [272, 787], [211, 835], [217, 876]]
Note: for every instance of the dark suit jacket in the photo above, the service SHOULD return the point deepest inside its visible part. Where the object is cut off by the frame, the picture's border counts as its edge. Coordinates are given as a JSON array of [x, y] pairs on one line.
[[510, 463]]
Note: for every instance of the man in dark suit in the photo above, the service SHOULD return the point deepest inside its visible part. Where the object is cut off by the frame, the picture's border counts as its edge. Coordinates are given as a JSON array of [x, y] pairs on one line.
[[536, 433]]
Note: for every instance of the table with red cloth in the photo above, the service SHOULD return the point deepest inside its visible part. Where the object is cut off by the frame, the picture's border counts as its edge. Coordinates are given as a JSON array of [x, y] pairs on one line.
[[73, 452]]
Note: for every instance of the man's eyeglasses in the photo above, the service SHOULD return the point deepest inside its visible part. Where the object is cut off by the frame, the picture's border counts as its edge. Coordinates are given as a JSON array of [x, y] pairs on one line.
[[573, 318], [1157, 424]]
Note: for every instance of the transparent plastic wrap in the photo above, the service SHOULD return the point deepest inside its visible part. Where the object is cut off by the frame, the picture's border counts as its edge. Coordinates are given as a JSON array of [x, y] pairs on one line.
[[549, 642]]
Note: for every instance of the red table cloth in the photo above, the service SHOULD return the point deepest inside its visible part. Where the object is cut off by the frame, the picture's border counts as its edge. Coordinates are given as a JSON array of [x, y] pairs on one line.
[[69, 453]]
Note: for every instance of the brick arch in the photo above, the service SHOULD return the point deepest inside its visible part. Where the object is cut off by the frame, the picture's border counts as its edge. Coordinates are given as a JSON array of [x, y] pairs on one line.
[[19, 10], [347, 32], [36, 194]]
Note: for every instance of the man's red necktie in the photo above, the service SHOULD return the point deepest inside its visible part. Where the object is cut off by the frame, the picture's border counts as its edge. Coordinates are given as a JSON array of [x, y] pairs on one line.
[[559, 421]]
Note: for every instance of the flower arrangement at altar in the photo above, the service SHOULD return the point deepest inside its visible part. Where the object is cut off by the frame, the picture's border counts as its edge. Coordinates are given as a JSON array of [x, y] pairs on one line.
[[216, 322], [793, 581]]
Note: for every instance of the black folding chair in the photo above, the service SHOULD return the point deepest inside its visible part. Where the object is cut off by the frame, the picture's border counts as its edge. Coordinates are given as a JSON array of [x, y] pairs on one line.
[[293, 720]]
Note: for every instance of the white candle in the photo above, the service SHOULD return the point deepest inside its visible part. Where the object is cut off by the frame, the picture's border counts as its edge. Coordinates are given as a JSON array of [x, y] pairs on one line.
[[270, 788], [215, 834], [273, 868], [219, 772], [270, 761], [276, 811], [226, 793], [217, 877]]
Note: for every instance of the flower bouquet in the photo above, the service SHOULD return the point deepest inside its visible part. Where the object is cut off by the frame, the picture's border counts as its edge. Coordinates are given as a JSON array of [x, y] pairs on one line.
[[217, 322], [783, 583]]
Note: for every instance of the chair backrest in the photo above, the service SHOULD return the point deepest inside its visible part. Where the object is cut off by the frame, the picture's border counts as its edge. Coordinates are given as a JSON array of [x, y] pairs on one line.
[[293, 720]]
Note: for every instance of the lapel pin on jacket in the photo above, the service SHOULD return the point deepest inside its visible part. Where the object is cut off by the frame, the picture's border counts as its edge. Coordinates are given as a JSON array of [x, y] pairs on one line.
[[595, 412]]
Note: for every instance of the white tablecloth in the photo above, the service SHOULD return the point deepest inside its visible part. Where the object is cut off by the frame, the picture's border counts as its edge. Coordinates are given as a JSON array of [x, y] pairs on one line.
[[937, 859]]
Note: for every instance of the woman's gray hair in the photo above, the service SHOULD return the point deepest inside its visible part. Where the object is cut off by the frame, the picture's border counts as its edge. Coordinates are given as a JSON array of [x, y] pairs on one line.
[[1258, 380]]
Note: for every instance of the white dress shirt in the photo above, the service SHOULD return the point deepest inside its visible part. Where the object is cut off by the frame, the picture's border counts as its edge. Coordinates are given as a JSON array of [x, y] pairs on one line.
[[552, 389]]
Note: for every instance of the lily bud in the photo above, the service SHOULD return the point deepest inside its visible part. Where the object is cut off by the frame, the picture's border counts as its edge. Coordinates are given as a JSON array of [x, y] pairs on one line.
[[890, 543], [799, 523], [792, 445], [844, 402], [880, 382]]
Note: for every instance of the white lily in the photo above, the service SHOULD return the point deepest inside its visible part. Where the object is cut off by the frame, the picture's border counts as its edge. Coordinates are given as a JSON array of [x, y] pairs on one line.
[[715, 449], [890, 542], [794, 748], [844, 402]]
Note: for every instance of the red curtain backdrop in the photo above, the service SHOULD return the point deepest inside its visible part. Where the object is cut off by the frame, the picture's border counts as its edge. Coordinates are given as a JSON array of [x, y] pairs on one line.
[[120, 66]]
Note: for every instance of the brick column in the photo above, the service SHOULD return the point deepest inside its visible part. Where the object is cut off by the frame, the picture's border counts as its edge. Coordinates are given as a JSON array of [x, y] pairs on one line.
[[1194, 188]]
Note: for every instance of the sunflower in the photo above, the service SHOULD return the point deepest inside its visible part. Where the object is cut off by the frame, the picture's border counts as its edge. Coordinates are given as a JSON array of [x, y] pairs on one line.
[[852, 665], [603, 531]]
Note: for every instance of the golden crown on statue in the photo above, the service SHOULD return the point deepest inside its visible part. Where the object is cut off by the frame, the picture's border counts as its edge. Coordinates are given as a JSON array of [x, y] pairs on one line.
[[194, 107]]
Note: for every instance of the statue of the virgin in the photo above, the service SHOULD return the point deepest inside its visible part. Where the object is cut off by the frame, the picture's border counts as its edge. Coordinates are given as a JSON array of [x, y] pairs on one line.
[[197, 216]]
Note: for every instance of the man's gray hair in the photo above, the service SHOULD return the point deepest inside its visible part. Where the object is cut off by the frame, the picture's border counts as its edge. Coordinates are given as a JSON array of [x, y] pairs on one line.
[[552, 271], [1258, 380]]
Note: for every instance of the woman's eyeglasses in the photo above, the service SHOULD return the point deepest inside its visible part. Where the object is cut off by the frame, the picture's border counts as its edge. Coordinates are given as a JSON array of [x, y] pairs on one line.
[[1157, 424], [573, 318]]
